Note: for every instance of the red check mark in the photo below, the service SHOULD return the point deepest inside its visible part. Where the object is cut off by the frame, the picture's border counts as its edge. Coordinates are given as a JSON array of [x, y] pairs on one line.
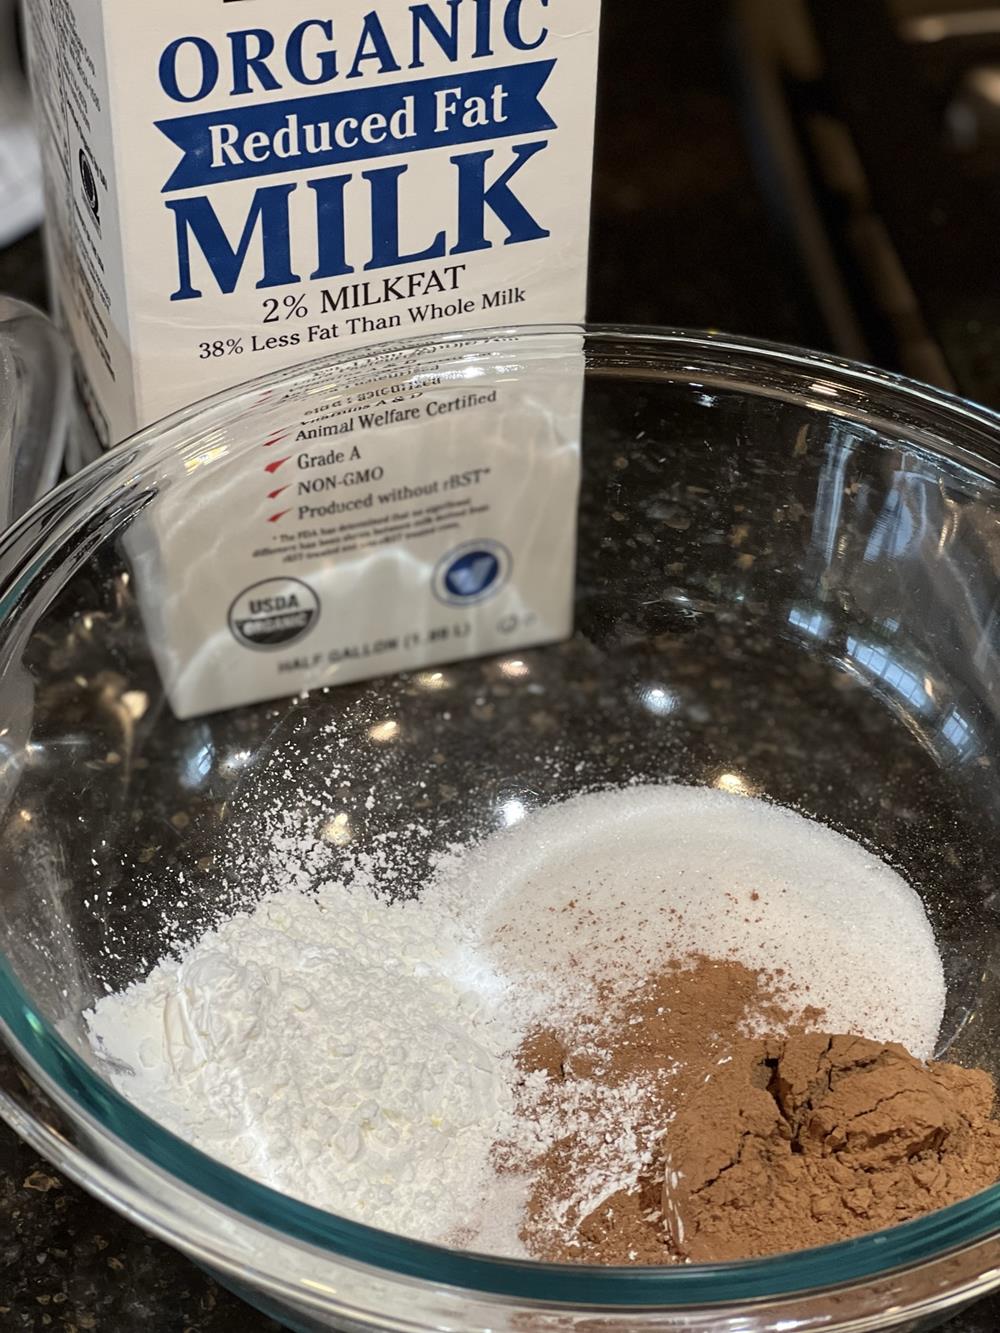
[[275, 518], [275, 439], [278, 462], [273, 495]]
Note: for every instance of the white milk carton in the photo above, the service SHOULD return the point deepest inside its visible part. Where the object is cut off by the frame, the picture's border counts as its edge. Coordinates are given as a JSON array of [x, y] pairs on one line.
[[418, 513], [238, 186]]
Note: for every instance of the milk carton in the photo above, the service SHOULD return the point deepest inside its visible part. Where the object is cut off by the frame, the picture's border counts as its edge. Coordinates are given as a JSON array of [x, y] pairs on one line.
[[238, 186]]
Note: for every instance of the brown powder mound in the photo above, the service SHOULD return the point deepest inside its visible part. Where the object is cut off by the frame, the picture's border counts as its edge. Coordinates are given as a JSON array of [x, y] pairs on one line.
[[812, 1139], [602, 1088], [669, 1131]]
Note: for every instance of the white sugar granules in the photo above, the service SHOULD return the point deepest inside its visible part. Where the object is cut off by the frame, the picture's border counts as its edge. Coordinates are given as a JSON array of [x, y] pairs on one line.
[[661, 872], [359, 1054]]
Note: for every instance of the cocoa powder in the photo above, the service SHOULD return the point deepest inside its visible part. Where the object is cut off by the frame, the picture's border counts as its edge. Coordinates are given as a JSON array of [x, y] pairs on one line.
[[606, 1085], [679, 1127], [811, 1139]]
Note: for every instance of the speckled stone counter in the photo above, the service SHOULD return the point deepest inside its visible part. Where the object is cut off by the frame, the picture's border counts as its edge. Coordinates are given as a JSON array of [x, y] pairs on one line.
[[68, 1264], [680, 237]]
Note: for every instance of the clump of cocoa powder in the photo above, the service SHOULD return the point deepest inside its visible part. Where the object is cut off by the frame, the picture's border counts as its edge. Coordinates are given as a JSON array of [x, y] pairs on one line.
[[811, 1139], [674, 1125], [602, 1089]]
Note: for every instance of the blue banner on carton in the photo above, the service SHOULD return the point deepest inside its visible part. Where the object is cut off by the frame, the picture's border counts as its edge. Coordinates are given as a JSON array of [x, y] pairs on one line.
[[380, 120]]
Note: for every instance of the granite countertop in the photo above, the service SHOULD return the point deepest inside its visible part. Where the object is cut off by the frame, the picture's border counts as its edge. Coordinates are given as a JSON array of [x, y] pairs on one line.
[[680, 237]]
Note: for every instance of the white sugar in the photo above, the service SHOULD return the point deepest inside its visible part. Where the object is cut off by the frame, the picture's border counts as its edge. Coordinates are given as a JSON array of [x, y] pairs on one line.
[[659, 872]]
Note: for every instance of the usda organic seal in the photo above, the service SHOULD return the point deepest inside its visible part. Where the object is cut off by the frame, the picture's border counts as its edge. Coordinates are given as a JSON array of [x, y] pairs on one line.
[[274, 613]]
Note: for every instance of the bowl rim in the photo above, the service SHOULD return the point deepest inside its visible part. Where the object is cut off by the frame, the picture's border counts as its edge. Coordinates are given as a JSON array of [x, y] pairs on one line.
[[34, 538]]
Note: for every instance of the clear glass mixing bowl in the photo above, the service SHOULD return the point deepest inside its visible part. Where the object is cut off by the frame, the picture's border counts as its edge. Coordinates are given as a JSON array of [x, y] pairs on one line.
[[787, 584]]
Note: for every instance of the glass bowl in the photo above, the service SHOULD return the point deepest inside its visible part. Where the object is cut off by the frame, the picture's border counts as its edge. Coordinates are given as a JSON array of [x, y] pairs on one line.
[[787, 584]]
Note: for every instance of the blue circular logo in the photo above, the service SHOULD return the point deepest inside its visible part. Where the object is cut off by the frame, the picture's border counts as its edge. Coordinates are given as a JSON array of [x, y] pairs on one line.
[[473, 573]]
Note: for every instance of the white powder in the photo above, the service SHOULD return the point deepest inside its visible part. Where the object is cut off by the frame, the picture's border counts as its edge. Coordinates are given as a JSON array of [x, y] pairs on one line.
[[332, 1047], [621, 1125], [359, 1054], [660, 872]]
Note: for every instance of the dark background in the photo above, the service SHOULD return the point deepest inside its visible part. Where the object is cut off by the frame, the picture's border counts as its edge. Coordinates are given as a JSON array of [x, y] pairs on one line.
[[686, 232]]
